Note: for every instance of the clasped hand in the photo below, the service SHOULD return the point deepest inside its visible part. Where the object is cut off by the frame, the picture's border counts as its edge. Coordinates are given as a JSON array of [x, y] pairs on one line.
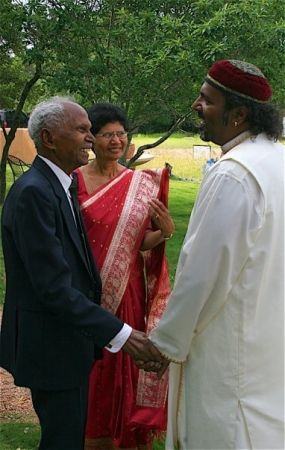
[[161, 217], [145, 354]]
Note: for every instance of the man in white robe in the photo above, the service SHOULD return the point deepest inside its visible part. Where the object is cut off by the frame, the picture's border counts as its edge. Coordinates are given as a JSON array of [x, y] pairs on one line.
[[223, 329]]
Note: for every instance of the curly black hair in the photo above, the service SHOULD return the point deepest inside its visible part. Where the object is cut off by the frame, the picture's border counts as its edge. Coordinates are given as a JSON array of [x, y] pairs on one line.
[[102, 113], [262, 117]]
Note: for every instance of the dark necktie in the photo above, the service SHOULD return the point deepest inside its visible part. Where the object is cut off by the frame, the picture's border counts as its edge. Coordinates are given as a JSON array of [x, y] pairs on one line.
[[80, 227]]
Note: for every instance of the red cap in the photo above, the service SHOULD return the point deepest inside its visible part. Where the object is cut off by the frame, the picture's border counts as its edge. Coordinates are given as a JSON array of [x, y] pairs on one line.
[[240, 78]]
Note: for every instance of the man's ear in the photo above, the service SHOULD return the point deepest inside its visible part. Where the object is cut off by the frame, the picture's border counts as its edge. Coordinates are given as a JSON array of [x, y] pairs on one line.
[[47, 139], [240, 115]]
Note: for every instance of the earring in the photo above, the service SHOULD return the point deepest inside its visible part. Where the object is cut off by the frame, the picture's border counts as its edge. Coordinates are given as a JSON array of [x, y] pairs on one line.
[[236, 124]]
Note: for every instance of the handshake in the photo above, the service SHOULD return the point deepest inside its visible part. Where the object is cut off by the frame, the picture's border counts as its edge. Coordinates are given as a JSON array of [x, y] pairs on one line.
[[145, 354]]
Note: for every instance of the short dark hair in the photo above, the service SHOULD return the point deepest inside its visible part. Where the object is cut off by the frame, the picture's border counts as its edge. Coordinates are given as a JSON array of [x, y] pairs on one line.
[[102, 113], [262, 117]]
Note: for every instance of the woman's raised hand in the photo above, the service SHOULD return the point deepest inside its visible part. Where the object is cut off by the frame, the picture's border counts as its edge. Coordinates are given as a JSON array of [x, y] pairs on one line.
[[161, 217]]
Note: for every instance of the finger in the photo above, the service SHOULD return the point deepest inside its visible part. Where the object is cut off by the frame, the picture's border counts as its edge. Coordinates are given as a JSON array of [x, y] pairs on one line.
[[155, 354], [148, 365], [140, 363], [137, 346], [162, 370], [151, 366], [157, 204], [148, 352], [154, 213], [156, 218]]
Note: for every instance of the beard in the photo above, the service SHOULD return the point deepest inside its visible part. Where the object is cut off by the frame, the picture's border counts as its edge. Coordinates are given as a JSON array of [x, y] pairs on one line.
[[202, 129], [203, 132]]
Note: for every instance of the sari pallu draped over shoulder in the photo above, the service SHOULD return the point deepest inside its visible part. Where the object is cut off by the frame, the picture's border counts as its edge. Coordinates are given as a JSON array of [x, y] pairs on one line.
[[122, 205]]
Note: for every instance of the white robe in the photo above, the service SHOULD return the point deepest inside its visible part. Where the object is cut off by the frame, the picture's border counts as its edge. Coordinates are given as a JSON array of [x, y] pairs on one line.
[[224, 323]]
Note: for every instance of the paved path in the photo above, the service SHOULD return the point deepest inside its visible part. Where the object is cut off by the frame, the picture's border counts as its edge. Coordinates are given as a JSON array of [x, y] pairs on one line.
[[15, 402]]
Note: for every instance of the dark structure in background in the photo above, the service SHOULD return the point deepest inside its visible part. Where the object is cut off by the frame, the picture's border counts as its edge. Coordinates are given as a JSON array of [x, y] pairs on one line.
[[7, 118]]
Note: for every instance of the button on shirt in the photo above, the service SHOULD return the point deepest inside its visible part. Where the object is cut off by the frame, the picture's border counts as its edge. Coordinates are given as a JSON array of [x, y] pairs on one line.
[[65, 180]]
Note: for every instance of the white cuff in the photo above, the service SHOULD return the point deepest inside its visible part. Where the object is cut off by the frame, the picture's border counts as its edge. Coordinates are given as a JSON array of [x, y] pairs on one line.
[[120, 339]]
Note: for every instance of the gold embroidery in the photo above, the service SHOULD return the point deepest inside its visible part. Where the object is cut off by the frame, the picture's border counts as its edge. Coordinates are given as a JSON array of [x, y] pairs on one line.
[[115, 270]]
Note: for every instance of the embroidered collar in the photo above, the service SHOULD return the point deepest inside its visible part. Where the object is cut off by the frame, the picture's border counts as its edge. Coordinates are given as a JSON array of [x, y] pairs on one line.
[[235, 141]]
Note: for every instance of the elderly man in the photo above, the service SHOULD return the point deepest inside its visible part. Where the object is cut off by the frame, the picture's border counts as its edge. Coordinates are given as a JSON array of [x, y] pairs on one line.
[[224, 324], [53, 326]]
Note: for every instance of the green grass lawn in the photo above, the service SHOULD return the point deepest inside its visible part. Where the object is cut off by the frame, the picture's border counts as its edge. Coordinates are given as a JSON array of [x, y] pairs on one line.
[[19, 436], [177, 140], [178, 151], [25, 436], [181, 201]]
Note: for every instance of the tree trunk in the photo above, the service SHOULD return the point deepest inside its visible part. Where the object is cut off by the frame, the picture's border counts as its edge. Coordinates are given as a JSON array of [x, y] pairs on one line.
[[3, 165], [9, 137]]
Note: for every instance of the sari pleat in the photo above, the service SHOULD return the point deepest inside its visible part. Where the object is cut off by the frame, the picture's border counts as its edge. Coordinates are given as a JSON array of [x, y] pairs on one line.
[[124, 403]]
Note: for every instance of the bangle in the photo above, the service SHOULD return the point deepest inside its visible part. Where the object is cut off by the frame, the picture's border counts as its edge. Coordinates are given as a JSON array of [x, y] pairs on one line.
[[166, 238]]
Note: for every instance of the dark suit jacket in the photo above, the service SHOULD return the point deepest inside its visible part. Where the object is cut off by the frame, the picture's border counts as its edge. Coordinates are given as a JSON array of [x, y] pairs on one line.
[[52, 323]]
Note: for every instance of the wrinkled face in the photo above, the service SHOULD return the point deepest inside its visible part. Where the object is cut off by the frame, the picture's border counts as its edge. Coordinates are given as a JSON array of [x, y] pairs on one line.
[[110, 142], [210, 107], [72, 140]]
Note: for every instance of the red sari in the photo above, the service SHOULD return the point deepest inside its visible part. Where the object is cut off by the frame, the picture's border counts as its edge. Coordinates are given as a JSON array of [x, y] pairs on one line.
[[126, 404]]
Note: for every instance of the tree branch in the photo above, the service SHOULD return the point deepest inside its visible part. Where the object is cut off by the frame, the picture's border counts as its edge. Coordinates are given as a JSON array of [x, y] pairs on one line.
[[163, 138]]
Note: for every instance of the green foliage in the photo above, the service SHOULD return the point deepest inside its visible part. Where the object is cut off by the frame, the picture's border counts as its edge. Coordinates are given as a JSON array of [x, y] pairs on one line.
[[245, 29], [128, 58], [148, 56], [12, 75]]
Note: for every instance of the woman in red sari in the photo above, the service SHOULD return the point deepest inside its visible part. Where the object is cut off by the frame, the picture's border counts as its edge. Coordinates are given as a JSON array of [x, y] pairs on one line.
[[127, 223]]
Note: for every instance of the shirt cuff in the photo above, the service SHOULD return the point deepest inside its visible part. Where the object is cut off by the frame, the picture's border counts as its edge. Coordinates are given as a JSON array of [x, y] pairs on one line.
[[120, 339]]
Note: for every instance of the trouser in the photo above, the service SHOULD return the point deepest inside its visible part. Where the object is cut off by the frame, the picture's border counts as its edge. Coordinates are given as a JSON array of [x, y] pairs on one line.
[[62, 416]]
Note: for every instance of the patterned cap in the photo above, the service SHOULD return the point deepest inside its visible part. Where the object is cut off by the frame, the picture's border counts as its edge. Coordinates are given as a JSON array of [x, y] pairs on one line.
[[240, 78]]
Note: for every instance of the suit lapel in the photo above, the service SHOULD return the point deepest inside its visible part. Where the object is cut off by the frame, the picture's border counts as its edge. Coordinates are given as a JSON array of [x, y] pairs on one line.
[[64, 206]]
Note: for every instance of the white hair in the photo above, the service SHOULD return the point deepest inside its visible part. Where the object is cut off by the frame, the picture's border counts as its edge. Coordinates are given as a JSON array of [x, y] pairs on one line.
[[47, 114]]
